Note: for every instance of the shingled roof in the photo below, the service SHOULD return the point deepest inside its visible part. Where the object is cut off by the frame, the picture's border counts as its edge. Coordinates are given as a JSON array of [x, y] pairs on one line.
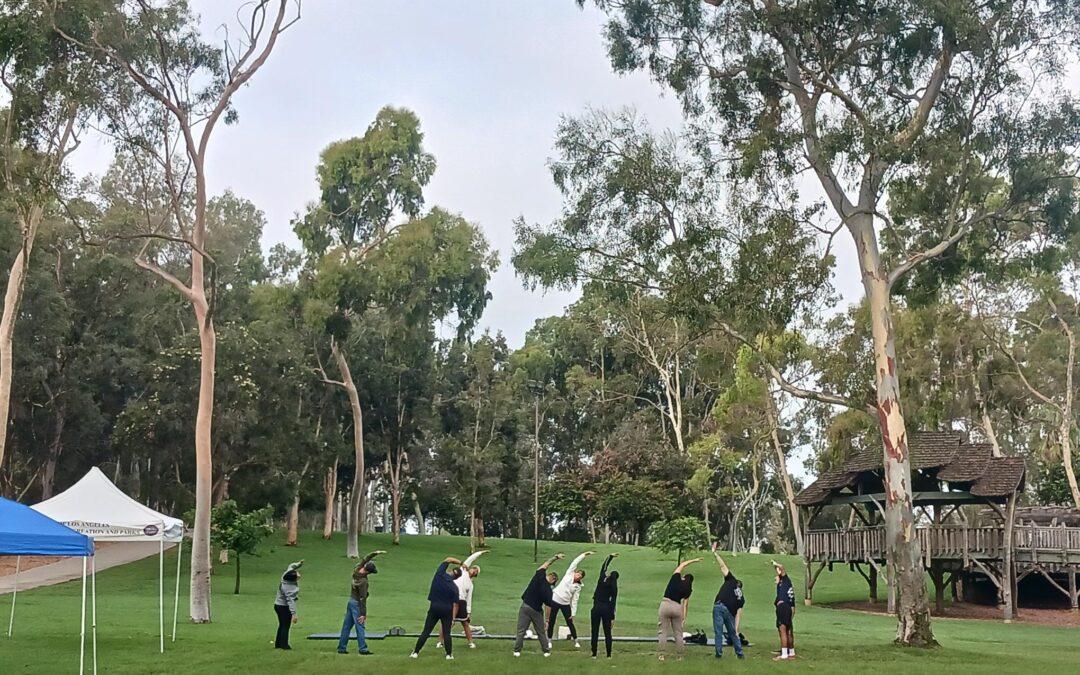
[[968, 465], [931, 449], [1002, 477], [959, 462]]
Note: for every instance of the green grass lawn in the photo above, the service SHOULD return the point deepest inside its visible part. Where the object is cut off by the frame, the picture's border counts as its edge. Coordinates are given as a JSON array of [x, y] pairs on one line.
[[240, 638]]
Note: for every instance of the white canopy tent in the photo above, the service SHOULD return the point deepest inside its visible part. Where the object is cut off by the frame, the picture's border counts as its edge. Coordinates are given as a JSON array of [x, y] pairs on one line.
[[94, 506]]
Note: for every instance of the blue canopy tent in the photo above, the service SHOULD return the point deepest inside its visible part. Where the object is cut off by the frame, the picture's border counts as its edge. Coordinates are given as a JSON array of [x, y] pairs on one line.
[[24, 531]]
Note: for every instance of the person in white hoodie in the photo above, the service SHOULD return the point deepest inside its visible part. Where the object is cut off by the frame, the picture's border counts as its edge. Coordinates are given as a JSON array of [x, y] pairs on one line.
[[465, 592], [565, 598]]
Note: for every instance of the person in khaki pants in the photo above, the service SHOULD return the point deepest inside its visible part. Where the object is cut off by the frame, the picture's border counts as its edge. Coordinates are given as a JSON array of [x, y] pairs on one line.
[[673, 608]]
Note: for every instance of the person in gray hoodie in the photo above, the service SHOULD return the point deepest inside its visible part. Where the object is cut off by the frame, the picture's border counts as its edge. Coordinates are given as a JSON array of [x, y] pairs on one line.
[[288, 593]]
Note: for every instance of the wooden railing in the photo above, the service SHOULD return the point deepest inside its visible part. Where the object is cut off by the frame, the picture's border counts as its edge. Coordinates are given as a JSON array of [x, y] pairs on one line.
[[954, 542]]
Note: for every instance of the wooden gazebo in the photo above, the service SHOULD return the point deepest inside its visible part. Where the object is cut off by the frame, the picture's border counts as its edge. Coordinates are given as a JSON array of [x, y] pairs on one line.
[[947, 474]]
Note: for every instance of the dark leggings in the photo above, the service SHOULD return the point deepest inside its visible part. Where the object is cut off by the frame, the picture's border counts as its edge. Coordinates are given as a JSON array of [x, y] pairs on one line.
[[284, 621], [602, 614], [437, 614], [565, 609]]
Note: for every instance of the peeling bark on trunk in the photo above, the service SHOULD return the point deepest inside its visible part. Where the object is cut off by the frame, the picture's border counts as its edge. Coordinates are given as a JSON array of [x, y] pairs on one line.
[[221, 489], [12, 300], [902, 544], [329, 491], [200, 541], [48, 475], [781, 466], [352, 548], [421, 527]]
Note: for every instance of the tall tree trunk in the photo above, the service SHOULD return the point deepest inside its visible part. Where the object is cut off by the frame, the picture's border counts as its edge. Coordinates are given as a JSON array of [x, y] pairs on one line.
[[395, 509], [352, 548], [236, 588], [48, 475], [902, 544], [421, 527], [12, 300], [1067, 460], [293, 536], [329, 491], [781, 465], [221, 488], [204, 479], [708, 519]]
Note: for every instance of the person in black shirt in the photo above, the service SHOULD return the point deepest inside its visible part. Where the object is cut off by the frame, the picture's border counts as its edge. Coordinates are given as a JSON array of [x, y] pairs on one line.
[[443, 597], [673, 608], [531, 613], [729, 600], [603, 609], [785, 613]]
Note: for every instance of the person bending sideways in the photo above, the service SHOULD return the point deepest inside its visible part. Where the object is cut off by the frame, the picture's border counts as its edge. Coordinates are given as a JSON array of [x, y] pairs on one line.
[[465, 593], [356, 608], [729, 602], [443, 597], [603, 608], [531, 613], [564, 598], [673, 608], [288, 593], [785, 613]]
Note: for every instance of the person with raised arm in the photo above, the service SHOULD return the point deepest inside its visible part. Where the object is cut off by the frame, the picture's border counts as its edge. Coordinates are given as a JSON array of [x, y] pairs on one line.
[[603, 608], [673, 608], [443, 597], [531, 613], [356, 608], [729, 602], [785, 613], [465, 593], [285, 603], [565, 598]]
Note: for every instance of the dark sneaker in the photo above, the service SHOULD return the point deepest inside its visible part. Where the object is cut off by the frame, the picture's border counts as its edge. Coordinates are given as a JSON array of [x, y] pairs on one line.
[[366, 652], [342, 651]]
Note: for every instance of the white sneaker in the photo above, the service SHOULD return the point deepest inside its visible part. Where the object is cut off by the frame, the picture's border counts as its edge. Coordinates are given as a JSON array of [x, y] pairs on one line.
[[449, 657], [577, 645], [517, 654], [472, 645], [438, 645], [414, 655], [547, 654]]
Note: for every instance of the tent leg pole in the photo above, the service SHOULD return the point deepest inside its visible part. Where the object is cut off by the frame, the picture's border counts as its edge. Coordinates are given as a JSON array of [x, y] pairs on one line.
[[161, 595], [14, 595], [176, 599], [82, 624], [93, 608]]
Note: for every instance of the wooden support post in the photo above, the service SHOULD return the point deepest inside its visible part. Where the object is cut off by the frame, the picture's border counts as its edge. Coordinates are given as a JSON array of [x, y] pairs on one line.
[[872, 581], [937, 575], [1074, 598]]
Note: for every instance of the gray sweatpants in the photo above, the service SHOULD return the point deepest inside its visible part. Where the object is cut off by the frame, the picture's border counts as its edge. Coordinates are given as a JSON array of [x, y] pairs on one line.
[[526, 616]]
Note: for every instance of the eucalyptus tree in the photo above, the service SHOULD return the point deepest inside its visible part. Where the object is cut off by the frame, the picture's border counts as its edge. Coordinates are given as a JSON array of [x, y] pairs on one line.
[[431, 274], [180, 88], [365, 183], [917, 122], [51, 92]]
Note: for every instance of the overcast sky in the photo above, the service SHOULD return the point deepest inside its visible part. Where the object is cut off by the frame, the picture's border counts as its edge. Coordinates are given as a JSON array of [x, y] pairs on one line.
[[489, 80]]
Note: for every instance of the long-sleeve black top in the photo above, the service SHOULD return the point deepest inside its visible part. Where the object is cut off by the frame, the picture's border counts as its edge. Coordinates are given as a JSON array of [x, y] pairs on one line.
[[538, 592], [607, 588]]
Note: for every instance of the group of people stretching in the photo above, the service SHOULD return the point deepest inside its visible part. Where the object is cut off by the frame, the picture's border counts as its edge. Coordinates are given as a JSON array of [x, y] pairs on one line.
[[451, 592]]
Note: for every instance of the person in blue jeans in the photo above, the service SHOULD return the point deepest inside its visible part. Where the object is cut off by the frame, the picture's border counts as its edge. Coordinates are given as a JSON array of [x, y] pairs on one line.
[[729, 601], [356, 609]]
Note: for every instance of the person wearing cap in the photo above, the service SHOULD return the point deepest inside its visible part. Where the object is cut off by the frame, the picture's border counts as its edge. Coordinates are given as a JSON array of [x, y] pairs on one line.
[[356, 609], [285, 604]]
